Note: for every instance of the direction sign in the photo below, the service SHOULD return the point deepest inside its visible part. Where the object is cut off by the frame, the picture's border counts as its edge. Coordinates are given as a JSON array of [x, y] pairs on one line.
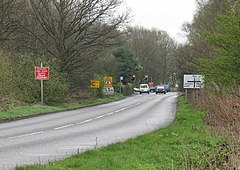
[[95, 84], [108, 82], [193, 81], [41, 73]]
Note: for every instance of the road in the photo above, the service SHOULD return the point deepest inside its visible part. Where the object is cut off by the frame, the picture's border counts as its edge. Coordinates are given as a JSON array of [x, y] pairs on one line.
[[57, 136]]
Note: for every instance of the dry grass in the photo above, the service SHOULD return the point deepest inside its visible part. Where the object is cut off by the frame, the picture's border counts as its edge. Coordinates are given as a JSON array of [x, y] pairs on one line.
[[223, 111], [223, 114]]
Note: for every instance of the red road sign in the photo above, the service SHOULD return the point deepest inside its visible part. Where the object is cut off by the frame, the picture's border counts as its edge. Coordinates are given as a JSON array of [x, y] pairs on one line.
[[41, 73]]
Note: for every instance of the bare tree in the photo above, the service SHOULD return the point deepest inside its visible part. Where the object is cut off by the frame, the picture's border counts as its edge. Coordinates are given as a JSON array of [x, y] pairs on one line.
[[154, 49], [76, 31], [10, 18]]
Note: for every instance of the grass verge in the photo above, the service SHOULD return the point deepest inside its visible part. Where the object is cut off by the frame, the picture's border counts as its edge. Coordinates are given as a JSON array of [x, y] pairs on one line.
[[34, 110], [179, 146]]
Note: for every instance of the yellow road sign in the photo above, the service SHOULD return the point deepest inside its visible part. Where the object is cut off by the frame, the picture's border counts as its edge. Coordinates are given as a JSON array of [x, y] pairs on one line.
[[95, 84], [108, 82]]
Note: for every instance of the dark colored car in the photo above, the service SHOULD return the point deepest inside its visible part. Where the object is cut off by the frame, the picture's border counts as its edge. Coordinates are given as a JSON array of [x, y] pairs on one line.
[[153, 89], [160, 89]]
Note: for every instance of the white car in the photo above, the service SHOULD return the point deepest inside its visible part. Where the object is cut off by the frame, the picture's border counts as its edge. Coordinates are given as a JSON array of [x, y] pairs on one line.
[[144, 88]]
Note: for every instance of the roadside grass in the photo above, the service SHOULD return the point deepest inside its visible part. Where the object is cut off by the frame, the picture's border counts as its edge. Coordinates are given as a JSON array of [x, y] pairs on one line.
[[37, 109], [182, 145]]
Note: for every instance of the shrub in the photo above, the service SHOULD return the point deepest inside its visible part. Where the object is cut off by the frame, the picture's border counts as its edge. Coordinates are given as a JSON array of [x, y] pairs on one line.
[[55, 89], [7, 86], [223, 114], [222, 109]]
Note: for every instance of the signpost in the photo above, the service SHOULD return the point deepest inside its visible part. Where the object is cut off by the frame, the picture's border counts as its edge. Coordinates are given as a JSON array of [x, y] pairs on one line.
[[95, 84], [108, 86], [121, 80], [192, 82], [108, 91], [108, 82], [42, 73]]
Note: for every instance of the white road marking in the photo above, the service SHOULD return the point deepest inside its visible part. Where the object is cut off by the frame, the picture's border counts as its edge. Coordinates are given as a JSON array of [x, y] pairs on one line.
[[101, 116], [120, 110], [89, 120], [107, 114], [65, 126], [25, 135]]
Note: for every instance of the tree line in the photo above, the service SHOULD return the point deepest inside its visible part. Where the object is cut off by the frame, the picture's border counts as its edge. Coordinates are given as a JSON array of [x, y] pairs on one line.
[[79, 40], [213, 44], [213, 51]]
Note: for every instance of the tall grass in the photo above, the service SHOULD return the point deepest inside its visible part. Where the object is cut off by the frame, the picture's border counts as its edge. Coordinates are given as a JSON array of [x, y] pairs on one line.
[[223, 111], [223, 114]]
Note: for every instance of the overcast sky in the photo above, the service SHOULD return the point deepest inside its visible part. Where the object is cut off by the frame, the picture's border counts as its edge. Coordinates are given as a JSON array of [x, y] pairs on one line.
[[167, 15]]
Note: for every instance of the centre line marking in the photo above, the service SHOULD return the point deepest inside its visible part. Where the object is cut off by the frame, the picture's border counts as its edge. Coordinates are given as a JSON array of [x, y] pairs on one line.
[[99, 117], [120, 110], [107, 114], [65, 126], [89, 120]]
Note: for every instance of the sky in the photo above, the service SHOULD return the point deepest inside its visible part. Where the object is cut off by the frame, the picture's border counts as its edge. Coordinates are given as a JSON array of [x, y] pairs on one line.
[[167, 15]]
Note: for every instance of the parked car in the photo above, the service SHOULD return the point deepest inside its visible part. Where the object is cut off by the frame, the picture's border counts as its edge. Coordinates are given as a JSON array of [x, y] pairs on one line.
[[144, 88], [160, 89]]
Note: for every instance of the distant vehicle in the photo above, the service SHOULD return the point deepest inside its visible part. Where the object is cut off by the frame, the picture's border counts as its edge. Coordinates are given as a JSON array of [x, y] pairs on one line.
[[167, 87], [153, 89], [136, 89], [144, 88], [160, 89]]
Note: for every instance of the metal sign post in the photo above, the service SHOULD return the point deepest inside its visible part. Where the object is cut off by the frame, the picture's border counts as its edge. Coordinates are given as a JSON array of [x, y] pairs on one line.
[[41, 73], [186, 99], [121, 80], [41, 89], [95, 84]]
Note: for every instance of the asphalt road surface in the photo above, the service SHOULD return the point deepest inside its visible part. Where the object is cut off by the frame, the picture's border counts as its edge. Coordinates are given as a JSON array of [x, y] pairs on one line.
[[60, 135]]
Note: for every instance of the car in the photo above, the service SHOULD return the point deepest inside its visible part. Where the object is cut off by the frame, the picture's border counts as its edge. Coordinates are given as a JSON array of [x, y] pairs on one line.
[[153, 89], [144, 88], [167, 87], [136, 90], [160, 89]]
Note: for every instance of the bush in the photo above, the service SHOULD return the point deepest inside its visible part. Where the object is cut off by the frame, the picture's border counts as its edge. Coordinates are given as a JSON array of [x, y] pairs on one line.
[[28, 89], [6, 75], [7, 86], [223, 114]]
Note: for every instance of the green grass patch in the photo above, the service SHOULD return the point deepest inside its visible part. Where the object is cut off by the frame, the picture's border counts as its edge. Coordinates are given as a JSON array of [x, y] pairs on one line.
[[179, 146], [33, 110]]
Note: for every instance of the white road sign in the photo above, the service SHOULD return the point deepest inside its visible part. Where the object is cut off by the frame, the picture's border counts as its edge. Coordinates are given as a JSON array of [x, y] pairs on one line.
[[193, 81]]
